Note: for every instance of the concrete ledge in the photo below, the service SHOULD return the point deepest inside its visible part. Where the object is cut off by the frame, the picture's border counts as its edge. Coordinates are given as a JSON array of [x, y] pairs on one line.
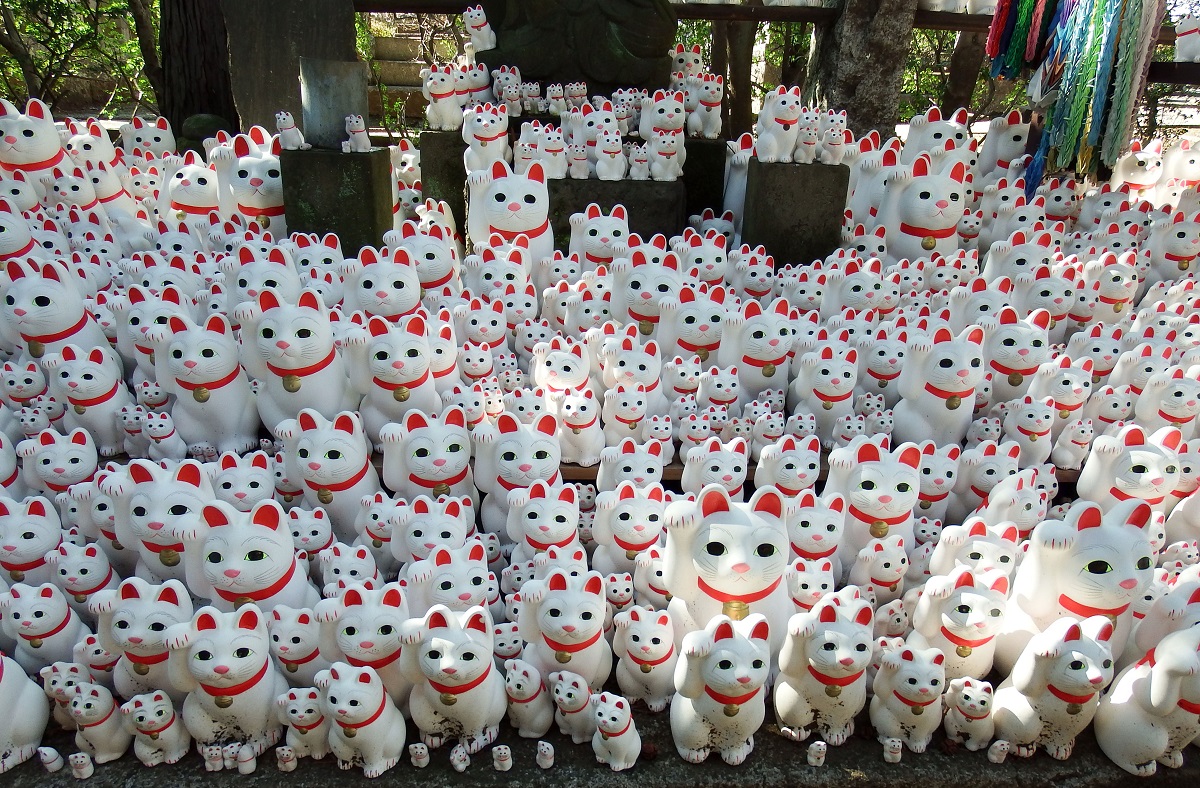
[[653, 207], [345, 193], [704, 175], [795, 210], [443, 175]]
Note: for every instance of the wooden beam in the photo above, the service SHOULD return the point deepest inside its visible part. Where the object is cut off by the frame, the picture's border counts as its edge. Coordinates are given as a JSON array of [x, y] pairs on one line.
[[1175, 73]]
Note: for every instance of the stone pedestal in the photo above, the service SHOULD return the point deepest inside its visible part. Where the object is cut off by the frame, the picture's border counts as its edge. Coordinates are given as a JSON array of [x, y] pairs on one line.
[[443, 175], [794, 210], [331, 90], [267, 38], [704, 175], [333, 192], [652, 207]]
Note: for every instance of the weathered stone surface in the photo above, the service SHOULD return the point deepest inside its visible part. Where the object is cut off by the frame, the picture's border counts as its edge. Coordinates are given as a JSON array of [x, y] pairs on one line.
[[443, 175], [652, 207], [795, 210], [333, 192], [704, 174], [330, 90], [198, 128], [267, 38]]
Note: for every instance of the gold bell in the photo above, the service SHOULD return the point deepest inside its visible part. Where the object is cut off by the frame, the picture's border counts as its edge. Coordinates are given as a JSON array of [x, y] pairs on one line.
[[80, 409], [1053, 323], [926, 504], [1064, 414], [37, 349], [879, 529], [646, 327], [1183, 265], [400, 394], [223, 701], [151, 358], [263, 220], [140, 669], [377, 543], [441, 489], [603, 735], [1074, 708], [668, 597], [1015, 378], [291, 383], [17, 575], [350, 733], [181, 215], [953, 402], [291, 667], [735, 609], [201, 394], [35, 643], [826, 404], [702, 354], [893, 587], [731, 709], [288, 498], [963, 651], [1033, 438], [576, 430], [646, 668], [918, 711], [242, 600], [153, 736], [769, 370], [883, 384], [631, 554], [80, 598], [325, 496], [169, 557], [562, 657], [928, 243], [1117, 307], [833, 690], [448, 698]]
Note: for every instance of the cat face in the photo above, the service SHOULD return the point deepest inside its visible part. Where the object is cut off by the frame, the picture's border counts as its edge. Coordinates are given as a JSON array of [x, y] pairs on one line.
[[879, 476], [246, 552], [525, 454], [563, 365], [343, 564], [350, 695], [426, 525], [330, 452], [459, 577], [302, 707], [838, 644], [507, 645], [815, 530], [41, 304], [383, 286], [975, 608], [638, 463], [294, 633], [738, 661], [312, 531], [1084, 665], [368, 625], [455, 649], [59, 460], [521, 679], [80, 569], [919, 674], [808, 581], [1016, 344], [244, 482], [291, 337], [740, 549], [91, 705], [142, 614], [36, 611], [790, 464], [570, 690], [29, 137], [60, 679]]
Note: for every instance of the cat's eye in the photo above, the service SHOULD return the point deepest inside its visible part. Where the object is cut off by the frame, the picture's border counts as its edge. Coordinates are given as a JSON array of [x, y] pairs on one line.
[[715, 548], [725, 664], [1077, 664], [242, 653], [964, 609], [1145, 563], [214, 557], [765, 550], [1099, 567], [203, 655], [349, 632], [555, 612], [256, 555]]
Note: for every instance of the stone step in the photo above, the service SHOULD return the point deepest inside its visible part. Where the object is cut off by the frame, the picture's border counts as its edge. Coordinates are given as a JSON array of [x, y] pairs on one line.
[[387, 48], [414, 102], [400, 72]]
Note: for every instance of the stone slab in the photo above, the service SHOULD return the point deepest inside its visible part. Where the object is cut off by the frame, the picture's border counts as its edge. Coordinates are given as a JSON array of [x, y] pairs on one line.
[[652, 207], [795, 210], [333, 192], [704, 174], [266, 40], [443, 175], [330, 90]]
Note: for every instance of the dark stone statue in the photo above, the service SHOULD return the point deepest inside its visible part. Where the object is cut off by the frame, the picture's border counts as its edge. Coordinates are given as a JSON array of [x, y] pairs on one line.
[[607, 43]]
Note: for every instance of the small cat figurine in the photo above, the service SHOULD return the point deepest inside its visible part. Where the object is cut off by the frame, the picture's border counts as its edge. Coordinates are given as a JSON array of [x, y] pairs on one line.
[[628, 521], [968, 718], [908, 683], [369, 729], [133, 621], [572, 701], [101, 732], [159, 735], [428, 456], [530, 709], [29, 529], [644, 642], [358, 611], [961, 616], [48, 628], [509, 456], [307, 728], [296, 644], [572, 638], [616, 741], [243, 482], [91, 382]]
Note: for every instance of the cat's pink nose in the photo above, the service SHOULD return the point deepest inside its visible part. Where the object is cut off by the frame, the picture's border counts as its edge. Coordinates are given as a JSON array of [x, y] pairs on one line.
[[1023, 352], [847, 661], [568, 628], [19, 312], [743, 679], [72, 579], [525, 467], [256, 182], [818, 538], [366, 644], [885, 499], [924, 690], [221, 669], [942, 204], [1097, 681], [11, 140], [464, 597], [190, 364], [232, 573], [939, 482], [773, 342], [314, 466], [155, 526], [962, 373], [282, 345], [397, 365], [1127, 584], [135, 641], [239, 495], [450, 671], [639, 528], [741, 568], [514, 206], [60, 470], [1156, 481], [438, 463]]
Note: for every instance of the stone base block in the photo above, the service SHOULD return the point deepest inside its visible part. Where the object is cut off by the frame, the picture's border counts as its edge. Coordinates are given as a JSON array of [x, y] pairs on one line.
[[652, 207], [795, 210], [704, 175], [333, 192], [443, 175]]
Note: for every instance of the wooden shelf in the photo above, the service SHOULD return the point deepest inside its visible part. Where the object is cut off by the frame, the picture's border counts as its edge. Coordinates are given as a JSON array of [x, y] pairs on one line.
[[1175, 73], [731, 12], [946, 20]]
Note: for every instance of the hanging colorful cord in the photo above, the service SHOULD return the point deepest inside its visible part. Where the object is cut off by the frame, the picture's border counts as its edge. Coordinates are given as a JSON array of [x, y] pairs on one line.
[[1104, 65]]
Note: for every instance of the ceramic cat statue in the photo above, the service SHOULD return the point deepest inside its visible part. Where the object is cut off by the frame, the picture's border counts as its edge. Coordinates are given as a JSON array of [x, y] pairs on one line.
[[308, 729], [645, 644], [159, 735], [48, 628], [572, 702], [20, 734], [968, 719], [101, 732], [719, 701], [1111, 474], [937, 386], [510, 205], [616, 742], [427, 456], [483, 38], [530, 709], [368, 729], [509, 456], [574, 637], [961, 616], [908, 684], [357, 611]]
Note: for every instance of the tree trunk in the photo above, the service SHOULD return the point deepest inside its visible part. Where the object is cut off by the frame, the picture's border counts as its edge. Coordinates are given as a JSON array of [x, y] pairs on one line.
[[965, 63], [720, 62], [147, 38], [11, 41], [857, 63], [195, 62], [740, 85]]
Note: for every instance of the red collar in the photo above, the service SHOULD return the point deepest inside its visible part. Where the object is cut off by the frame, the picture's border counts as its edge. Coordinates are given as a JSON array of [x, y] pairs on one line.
[[933, 498], [612, 735], [882, 376], [1110, 300], [158, 548], [429, 485], [306, 728], [34, 564], [631, 422], [511, 699], [160, 439], [710, 103], [254, 213], [944, 394], [46, 339], [403, 384], [875, 581], [778, 362], [216, 384], [383, 702], [1033, 434], [377, 664], [64, 487], [1085, 611], [572, 648], [552, 481], [260, 594], [721, 596], [807, 556], [832, 398], [447, 371], [153, 659], [1068, 698], [511, 235], [1123, 496], [996, 365], [925, 232], [966, 716], [491, 139], [914, 703], [660, 591], [436, 96], [630, 546], [316, 652], [302, 372], [801, 605], [651, 662], [340, 486], [1175, 419], [193, 210], [11, 479], [53, 161], [440, 281], [23, 400], [1070, 408], [1175, 258], [237, 689], [787, 124], [105, 719], [458, 689], [591, 258], [541, 547], [99, 586], [155, 731], [1187, 705], [643, 318], [836, 681], [730, 700], [580, 426], [61, 626], [26, 249], [863, 517], [960, 641]]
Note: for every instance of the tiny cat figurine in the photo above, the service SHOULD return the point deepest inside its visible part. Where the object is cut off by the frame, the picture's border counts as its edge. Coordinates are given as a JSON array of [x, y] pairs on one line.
[[616, 741], [530, 709], [961, 616], [719, 703], [908, 684], [307, 727], [133, 622], [574, 636], [48, 628], [645, 644], [356, 129], [101, 731], [159, 735], [296, 644], [573, 709], [368, 729], [968, 718], [1054, 688]]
